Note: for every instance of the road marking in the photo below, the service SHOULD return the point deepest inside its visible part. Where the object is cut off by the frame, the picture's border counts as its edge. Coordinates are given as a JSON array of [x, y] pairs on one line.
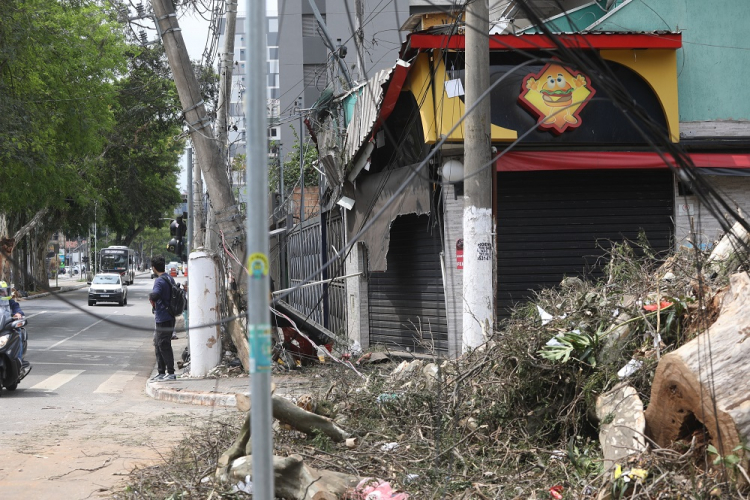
[[74, 335], [116, 383], [35, 314], [57, 380]]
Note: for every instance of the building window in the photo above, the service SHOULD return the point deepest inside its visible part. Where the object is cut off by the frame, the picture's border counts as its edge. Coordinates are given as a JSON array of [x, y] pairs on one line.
[[273, 66], [273, 24], [273, 53], [272, 39], [273, 81], [315, 75], [242, 54], [273, 133], [310, 24]]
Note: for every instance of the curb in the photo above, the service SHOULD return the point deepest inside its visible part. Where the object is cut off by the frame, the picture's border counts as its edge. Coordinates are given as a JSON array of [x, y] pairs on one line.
[[157, 391], [62, 289]]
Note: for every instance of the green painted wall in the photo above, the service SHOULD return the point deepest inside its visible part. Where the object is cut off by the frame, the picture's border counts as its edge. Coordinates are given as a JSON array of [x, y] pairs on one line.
[[713, 65]]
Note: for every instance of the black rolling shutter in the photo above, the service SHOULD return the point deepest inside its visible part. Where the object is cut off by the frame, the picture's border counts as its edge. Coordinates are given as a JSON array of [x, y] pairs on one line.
[[409, 295], [551, 224]]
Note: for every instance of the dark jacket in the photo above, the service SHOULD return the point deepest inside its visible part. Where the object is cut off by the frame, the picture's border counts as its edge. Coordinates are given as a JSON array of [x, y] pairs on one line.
[[15, 308], [159, 297]]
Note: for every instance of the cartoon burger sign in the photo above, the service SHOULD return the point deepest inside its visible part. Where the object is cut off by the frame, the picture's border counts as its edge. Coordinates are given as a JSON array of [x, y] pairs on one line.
[[556, 95]]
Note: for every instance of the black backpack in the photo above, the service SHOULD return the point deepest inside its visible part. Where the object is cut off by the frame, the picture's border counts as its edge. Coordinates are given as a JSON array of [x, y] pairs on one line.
[[177, 300]]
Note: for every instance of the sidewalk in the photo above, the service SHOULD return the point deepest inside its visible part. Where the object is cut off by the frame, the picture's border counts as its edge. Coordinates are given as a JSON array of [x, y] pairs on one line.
[[231, 392]]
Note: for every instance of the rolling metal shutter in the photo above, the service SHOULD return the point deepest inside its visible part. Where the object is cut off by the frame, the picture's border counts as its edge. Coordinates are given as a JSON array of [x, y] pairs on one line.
[[552, 224], [409, 296]]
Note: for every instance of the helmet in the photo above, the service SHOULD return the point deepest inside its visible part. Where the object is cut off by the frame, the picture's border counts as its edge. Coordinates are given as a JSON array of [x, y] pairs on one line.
[[4, 291]]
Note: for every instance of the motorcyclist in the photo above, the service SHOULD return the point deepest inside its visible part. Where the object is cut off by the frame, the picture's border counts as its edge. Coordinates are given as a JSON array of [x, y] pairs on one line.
[[6, 301]]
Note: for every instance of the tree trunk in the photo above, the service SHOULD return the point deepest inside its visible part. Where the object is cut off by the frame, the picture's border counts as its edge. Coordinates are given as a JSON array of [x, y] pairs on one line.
[[704, 382]]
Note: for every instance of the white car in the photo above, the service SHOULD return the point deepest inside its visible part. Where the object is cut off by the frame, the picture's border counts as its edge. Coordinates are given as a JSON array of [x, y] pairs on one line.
[[173, 265], [108, 287]]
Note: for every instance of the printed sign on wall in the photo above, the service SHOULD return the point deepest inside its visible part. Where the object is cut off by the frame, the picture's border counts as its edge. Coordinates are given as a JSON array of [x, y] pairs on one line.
[[557, 95]]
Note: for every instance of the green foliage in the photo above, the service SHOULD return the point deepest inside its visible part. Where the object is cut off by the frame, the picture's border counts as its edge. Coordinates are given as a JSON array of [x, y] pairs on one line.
[[582, 346], [58, 62], [137, 175], [290, 163]]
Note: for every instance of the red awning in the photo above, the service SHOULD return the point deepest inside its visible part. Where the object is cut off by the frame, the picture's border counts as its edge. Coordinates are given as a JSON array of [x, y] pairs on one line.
[[594, 41], [392, 93], [526, 161]]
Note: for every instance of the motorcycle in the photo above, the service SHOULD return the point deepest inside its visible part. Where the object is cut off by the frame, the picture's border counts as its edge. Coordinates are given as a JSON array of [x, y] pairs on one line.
[[13, 340]]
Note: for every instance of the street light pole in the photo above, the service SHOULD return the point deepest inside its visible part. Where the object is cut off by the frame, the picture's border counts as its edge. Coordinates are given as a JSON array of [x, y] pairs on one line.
[[257, 245]]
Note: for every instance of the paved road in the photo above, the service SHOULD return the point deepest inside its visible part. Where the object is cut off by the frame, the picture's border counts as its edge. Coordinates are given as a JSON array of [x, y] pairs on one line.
[[81, 419]]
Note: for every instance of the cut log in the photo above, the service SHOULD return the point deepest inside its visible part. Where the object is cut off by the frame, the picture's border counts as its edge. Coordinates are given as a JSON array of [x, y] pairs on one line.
[[620, 412], [295, 480], [731, 250], [705, 382], [287, 412]]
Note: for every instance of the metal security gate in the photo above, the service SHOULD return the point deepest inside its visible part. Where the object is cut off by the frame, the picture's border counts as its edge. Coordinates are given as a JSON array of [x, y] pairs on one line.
[[309, 246], [553, 224], [407, 302]]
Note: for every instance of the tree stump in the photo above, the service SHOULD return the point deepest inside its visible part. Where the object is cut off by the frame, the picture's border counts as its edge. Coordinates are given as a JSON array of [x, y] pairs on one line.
[[706, 381]]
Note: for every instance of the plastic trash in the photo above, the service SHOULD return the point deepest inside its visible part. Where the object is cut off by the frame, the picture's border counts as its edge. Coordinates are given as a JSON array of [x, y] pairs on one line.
[[630, 368]]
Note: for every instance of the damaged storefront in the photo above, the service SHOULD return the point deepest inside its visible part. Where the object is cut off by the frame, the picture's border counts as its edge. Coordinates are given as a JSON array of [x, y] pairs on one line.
[[573, 173]]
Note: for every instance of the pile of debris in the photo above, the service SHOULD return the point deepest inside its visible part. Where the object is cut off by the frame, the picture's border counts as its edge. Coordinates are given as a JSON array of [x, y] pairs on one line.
[[551, 407]]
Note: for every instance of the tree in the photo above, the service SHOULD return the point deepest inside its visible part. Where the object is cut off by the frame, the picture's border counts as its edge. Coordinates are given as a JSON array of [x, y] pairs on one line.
[[137, 175], [291, 166], [58, 64]]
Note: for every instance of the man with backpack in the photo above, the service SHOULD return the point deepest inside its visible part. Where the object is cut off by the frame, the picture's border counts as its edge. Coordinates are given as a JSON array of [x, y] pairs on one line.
[[160, 298]]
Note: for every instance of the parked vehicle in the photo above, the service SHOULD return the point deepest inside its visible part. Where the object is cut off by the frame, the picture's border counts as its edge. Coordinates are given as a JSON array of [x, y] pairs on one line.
[[108, 287], [13, 341]]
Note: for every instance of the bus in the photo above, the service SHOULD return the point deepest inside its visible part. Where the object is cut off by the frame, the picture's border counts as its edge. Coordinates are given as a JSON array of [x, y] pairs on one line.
[[118, 259]]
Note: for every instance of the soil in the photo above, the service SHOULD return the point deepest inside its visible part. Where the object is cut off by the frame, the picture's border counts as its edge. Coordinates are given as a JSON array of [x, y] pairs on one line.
[[86, 454]]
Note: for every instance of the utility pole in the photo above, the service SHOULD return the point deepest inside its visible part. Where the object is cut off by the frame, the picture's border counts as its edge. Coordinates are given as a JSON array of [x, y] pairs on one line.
[[199, 125], [191, 203], [199, 231], [301, 167], [359, 38], [225, 78], [328, 41], [258, 285], [479, 248]]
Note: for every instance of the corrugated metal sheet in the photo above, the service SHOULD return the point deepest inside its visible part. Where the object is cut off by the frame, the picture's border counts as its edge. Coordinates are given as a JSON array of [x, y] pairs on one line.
[[366, 111]]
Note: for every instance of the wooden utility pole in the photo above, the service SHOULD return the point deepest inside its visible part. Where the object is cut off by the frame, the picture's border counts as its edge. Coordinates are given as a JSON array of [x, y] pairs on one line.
[[479, 248], [206, 146]]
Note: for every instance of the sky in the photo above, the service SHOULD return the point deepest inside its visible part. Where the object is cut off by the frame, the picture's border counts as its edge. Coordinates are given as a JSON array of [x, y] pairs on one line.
[[195, 34]]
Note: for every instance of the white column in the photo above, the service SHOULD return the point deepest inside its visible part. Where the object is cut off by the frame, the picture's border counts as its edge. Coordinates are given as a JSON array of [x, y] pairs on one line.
[[203, 300]]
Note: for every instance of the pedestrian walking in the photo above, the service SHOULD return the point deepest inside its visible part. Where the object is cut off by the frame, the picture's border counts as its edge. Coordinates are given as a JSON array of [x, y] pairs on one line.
[[159, 298]]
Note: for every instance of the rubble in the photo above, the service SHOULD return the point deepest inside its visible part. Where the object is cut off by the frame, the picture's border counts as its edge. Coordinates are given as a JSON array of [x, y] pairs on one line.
[[512, 421]]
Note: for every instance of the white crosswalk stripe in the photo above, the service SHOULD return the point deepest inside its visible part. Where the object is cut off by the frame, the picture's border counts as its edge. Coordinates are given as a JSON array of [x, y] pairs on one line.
[[116, 383], [57, 380]]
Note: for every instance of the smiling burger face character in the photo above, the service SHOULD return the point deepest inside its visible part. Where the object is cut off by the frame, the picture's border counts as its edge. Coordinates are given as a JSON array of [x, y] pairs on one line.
[[555, 89], [556, 96]]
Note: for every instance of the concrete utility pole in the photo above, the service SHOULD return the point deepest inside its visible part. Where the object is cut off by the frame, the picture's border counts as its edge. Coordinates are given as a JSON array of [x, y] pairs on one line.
[[359, 39], [479, 248], [301, 167], [258, 284], [206, 147], [225, 76]]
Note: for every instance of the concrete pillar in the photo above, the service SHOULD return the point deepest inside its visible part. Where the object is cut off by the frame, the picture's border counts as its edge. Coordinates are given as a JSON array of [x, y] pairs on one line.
[[203, 305], [357, 304]]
